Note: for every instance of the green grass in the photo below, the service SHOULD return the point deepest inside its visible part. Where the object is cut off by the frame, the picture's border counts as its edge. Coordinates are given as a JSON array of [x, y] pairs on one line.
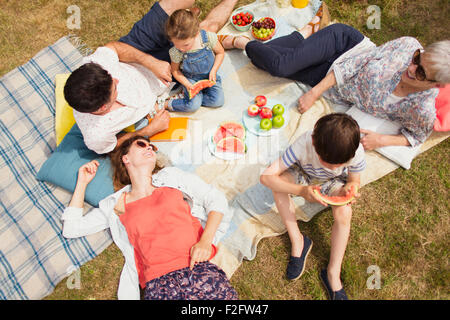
[[400, 223]]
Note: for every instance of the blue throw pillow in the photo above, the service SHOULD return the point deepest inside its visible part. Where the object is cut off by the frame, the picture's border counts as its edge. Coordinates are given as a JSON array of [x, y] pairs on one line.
[[61, 169]]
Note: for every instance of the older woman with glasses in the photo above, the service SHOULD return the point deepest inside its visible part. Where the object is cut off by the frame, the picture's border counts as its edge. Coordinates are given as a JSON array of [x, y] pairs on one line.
[[397, 81], [165, 221]]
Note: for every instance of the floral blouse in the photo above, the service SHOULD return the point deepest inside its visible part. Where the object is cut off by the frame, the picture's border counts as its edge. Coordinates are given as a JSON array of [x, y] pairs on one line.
[[368, 79]]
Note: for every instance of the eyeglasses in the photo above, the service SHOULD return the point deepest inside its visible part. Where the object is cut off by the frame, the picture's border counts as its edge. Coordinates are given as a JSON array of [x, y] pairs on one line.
[[143, 144], [420, 71]]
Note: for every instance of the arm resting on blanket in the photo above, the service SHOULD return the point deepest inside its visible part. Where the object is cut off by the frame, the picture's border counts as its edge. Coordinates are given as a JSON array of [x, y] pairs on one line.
[[75, 224], [307, 100], [373, 140]]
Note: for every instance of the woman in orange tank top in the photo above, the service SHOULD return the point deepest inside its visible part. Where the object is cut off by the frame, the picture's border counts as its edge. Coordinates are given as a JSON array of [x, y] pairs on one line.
[[165, 222], [171, 248]]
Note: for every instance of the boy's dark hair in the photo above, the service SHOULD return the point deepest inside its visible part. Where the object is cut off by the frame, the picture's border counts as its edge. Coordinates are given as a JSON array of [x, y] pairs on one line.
[[336, 138], [88, 88]]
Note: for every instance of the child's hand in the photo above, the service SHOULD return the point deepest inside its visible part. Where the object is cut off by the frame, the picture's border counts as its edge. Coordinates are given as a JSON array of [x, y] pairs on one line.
[[347, 188], [188, 86], [201, 251], [87, 172], [310, 196], [212, 76]]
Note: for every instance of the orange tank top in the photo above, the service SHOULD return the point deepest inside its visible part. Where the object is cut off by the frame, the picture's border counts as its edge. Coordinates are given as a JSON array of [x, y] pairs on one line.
[[162, 231]]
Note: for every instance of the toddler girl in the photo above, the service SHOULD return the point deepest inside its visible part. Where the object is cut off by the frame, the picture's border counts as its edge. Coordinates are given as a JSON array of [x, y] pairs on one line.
[[196, 55]]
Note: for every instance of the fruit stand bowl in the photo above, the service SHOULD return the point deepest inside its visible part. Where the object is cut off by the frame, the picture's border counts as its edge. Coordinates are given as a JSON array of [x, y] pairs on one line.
[[246, 18], [262, 24]]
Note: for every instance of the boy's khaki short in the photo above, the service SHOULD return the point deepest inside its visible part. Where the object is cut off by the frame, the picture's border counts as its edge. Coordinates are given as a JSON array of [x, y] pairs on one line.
[[327, 187]]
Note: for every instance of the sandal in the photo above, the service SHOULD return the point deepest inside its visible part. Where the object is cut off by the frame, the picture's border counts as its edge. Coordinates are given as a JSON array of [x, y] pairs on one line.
[[324, 18], [312, 24], [222, 37]]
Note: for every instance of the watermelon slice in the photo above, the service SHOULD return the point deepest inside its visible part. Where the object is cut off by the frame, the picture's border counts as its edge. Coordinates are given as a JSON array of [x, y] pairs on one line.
[[229, 129], [199, 86], [231, 144], [336, 201]]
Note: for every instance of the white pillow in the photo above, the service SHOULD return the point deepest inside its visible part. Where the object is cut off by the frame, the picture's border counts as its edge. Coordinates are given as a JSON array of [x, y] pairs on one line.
[[401, 155]]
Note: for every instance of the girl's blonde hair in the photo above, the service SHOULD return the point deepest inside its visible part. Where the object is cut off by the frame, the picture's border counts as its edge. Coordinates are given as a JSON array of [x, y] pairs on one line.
[[182, 25]]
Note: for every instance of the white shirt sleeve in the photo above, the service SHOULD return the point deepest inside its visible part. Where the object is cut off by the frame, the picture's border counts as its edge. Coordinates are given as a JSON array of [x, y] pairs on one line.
[[101, 143], [78, 225]]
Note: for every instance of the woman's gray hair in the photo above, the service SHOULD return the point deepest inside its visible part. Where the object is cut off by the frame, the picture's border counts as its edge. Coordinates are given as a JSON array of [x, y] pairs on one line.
[[439, 56]]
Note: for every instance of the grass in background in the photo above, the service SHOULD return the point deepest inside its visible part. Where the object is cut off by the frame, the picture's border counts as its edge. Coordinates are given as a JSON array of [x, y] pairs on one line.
[[400, 223]]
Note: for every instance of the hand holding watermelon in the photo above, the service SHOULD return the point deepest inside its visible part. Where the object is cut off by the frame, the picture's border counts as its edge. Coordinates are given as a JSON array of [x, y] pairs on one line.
[[350, 189], [311, 195]]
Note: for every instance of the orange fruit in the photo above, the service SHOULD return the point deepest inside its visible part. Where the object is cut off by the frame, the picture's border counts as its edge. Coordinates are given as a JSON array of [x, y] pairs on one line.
[[299, 3]]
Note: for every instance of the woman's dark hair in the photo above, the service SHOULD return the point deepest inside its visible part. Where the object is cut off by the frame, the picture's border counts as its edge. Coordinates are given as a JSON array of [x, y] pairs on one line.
[[120, 172], [88, 88], [336, 138]]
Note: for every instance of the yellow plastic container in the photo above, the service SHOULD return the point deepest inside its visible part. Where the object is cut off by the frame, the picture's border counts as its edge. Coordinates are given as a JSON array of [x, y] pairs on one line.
[[299, 3]]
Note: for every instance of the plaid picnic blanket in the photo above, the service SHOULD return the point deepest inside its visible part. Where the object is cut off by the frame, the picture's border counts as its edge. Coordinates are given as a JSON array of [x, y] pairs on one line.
[[34, 256]]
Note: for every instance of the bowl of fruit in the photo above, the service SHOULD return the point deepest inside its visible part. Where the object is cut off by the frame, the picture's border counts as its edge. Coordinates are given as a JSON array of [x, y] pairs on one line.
[[242, 19], [263, 29]]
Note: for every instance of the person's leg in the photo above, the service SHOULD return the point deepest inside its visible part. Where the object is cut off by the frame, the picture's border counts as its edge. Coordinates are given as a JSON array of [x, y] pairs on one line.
[[218, 16], [286, 209], [214, 97], [209, 282], [322, 47], [340, 232], [166, 287], [148, 34], [273, 56], [186, 104]]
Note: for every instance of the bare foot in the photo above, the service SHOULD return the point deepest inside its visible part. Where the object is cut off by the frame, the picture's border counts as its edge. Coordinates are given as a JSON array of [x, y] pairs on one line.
[[311, 27], [227, 42], [240, 42]]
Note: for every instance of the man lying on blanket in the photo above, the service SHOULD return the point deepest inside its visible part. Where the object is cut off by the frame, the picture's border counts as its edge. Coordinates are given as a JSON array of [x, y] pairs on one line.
[[119, 84]]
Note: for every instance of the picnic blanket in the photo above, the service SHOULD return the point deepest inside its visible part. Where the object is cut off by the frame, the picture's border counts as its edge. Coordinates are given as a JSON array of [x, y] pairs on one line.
[[34, 256], [255, 214]]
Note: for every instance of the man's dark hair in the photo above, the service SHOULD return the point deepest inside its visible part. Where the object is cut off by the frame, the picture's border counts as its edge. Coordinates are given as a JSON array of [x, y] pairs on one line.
[[88, 88], [336, 138]]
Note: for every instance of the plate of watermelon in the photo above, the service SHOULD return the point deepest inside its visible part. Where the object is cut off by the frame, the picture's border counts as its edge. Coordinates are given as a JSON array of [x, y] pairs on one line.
[[227, 141], [265, 117]]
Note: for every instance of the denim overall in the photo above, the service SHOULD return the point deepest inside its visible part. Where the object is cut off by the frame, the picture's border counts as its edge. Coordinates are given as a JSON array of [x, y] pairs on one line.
[[196, 66]]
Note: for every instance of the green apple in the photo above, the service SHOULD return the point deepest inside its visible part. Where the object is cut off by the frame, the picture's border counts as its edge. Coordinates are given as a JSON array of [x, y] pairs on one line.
[[278, 109], [278, 121], [265, 124]]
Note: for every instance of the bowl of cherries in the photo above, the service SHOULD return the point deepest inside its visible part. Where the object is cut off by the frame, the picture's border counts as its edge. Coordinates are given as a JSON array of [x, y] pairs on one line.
[[263, 29], [242, 20]]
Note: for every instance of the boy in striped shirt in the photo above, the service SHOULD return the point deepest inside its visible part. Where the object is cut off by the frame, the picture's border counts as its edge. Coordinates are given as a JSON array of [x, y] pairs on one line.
[[330, 156]]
